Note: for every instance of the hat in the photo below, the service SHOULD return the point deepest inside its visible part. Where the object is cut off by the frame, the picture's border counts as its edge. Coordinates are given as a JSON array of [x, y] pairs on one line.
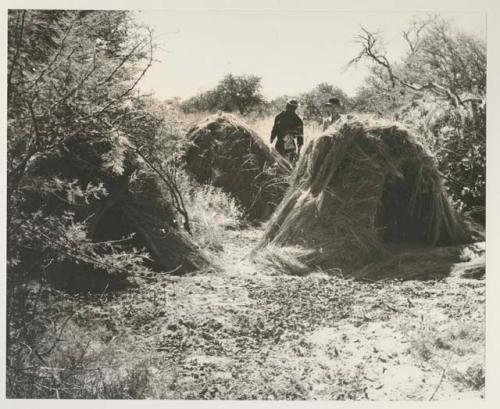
[[292, 102], [333, 101]]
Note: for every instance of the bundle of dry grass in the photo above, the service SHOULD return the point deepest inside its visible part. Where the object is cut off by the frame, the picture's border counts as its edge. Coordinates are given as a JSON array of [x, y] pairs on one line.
[[361, 193], [225, 152]]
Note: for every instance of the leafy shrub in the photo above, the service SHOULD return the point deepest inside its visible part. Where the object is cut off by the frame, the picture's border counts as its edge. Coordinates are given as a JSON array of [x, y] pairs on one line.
[[71, 77], [457, 137]]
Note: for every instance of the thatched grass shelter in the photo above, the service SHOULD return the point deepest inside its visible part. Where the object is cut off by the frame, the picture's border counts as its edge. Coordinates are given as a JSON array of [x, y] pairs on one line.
[[361, 193], [135, 206], [226, 152]]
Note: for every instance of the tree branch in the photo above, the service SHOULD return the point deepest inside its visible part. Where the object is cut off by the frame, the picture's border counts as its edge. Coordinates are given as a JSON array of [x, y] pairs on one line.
[[16, 55], [370, 51], [58, 53], [120, 64], [130, 89], [171, 185], [79, 85]]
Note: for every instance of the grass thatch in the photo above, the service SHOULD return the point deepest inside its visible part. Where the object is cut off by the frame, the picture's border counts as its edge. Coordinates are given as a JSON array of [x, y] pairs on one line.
[[361, 192], [136, 206], [227, 153]]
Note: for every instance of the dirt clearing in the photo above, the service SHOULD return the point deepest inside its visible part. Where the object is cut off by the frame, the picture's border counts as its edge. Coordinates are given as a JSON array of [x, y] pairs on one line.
[[246, 334]]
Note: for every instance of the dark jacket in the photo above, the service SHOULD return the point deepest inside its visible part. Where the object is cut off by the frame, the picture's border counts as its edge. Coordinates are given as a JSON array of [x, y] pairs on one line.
[[288, 123]]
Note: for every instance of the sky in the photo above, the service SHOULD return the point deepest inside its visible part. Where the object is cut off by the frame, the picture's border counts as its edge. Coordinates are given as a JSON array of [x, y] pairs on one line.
[[291, 51]]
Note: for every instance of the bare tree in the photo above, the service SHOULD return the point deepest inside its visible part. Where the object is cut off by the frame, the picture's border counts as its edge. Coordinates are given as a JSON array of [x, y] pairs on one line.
[[445, 64]]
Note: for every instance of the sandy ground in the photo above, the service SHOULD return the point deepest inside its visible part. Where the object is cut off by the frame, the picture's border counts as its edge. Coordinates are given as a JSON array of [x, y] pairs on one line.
[[245, 334]]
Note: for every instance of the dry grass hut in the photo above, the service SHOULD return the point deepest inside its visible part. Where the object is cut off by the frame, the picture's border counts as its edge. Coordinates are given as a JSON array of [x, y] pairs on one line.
[[362, 193], [135, 206], [225, 152]]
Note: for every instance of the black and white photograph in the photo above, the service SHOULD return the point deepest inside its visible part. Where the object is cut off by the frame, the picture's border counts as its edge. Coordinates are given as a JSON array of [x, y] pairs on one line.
[[234, 202]]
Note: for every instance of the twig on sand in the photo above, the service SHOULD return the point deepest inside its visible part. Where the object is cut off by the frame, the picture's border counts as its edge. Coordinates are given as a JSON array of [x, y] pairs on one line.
[[442, 377], [390, 307]]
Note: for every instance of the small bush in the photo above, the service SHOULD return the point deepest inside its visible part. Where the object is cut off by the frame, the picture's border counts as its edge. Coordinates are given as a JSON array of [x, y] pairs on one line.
[[211, 210]]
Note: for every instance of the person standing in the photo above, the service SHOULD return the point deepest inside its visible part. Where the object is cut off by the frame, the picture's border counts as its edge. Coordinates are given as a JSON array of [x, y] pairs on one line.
[[288, 130], [332, 112]]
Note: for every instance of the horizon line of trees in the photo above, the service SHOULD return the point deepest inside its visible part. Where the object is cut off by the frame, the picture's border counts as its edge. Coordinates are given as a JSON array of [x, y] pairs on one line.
[[242, 94], [438, 88], [440, 61]]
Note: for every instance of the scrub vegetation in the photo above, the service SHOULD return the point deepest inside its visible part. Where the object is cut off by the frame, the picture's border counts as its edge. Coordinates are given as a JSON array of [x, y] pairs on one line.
[[139, 266]]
